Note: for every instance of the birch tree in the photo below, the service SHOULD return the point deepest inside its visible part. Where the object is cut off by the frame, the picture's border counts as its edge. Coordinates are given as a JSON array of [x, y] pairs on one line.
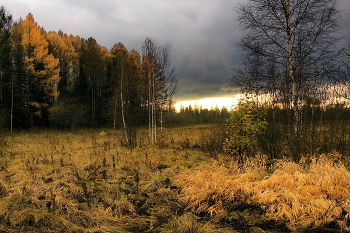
[[286, 46], [120, 63], [160, 81], [150, 69], [167, 82], [341, 84]]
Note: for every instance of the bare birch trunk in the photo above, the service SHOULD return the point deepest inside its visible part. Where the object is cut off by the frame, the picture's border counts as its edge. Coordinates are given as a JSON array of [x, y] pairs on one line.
[[115, 112], [294, 89], [154, 127], [11, 113], [93, 105], [161, 120], [122, 105], [149, 110]]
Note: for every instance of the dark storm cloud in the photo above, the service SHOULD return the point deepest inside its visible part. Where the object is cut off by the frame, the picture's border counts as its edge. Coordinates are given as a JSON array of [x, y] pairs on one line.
[[202, 34], [344, 6]]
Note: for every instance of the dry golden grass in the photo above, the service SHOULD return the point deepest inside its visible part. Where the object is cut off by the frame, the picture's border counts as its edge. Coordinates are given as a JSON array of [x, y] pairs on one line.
[[316, 194], [303, 194], [88, 181], [211, 188]]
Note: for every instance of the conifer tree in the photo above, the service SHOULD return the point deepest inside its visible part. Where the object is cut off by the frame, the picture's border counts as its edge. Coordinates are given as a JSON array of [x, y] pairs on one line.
[[92, 79], [6, 86], [42, 71], [126, 77], [21, 117]]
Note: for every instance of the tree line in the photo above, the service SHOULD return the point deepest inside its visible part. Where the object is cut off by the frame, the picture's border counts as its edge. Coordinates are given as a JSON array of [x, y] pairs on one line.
[[51, 79], [192, 115]]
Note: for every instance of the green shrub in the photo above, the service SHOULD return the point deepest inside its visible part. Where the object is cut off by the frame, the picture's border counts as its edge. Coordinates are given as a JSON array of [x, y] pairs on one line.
[[245, 123]]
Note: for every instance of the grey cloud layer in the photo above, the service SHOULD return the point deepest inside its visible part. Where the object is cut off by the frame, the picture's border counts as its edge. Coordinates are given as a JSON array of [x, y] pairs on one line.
[[201, 33]]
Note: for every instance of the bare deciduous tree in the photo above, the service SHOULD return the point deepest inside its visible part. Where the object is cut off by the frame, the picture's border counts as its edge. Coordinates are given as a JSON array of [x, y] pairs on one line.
[[341, 84], [285, 46], [160, 81]]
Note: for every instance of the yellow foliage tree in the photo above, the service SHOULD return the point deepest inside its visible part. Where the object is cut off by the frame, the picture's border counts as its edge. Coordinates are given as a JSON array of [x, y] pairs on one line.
[[61, 46], [42, 68]]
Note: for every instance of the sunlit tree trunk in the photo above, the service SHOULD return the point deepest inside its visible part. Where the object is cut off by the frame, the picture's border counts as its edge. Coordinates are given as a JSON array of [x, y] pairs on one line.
[[149, 110], [115, 112], [291, 72], [161, 82], [122, 103], [11, 112], [154, 123]]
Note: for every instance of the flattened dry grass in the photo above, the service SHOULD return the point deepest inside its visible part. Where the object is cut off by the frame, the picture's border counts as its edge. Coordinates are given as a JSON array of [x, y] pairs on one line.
[[212, 188], [308, 194]]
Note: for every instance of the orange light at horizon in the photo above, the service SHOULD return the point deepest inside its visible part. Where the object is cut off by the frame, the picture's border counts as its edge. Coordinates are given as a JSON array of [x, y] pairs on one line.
[[209, 103]]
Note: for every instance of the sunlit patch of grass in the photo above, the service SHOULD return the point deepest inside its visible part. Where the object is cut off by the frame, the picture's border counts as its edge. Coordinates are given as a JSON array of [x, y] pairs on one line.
[[316, 194], [305, 195], [212, 189]]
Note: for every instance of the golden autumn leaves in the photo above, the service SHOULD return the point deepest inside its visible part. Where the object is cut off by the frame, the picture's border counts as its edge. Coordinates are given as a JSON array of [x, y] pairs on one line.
[[52, 69], [42, 68]]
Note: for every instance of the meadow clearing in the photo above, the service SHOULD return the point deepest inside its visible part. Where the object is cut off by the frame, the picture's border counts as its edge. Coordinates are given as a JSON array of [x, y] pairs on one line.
[[89, 181]]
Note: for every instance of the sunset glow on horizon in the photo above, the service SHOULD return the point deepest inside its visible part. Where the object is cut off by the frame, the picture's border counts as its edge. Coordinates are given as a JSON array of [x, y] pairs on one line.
[[209, 103]]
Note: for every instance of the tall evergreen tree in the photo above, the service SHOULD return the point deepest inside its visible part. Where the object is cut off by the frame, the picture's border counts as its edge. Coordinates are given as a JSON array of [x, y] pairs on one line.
[[67, 112], [126, 70], [21, 117], [6, 87], [42, 71], [92, 79]]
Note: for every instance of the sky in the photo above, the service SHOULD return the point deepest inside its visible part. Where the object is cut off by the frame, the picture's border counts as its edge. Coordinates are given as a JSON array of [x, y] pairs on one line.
[[201, 34]]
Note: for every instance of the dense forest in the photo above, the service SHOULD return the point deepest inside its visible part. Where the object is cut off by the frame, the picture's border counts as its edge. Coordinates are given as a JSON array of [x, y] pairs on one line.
[[51, 79]]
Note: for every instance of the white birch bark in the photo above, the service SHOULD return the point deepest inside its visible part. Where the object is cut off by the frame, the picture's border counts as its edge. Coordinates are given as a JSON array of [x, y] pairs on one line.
[[122, 104], [294, 90]]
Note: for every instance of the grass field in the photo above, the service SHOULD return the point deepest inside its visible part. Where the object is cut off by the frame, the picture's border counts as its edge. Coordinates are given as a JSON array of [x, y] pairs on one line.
[[88, 181]]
